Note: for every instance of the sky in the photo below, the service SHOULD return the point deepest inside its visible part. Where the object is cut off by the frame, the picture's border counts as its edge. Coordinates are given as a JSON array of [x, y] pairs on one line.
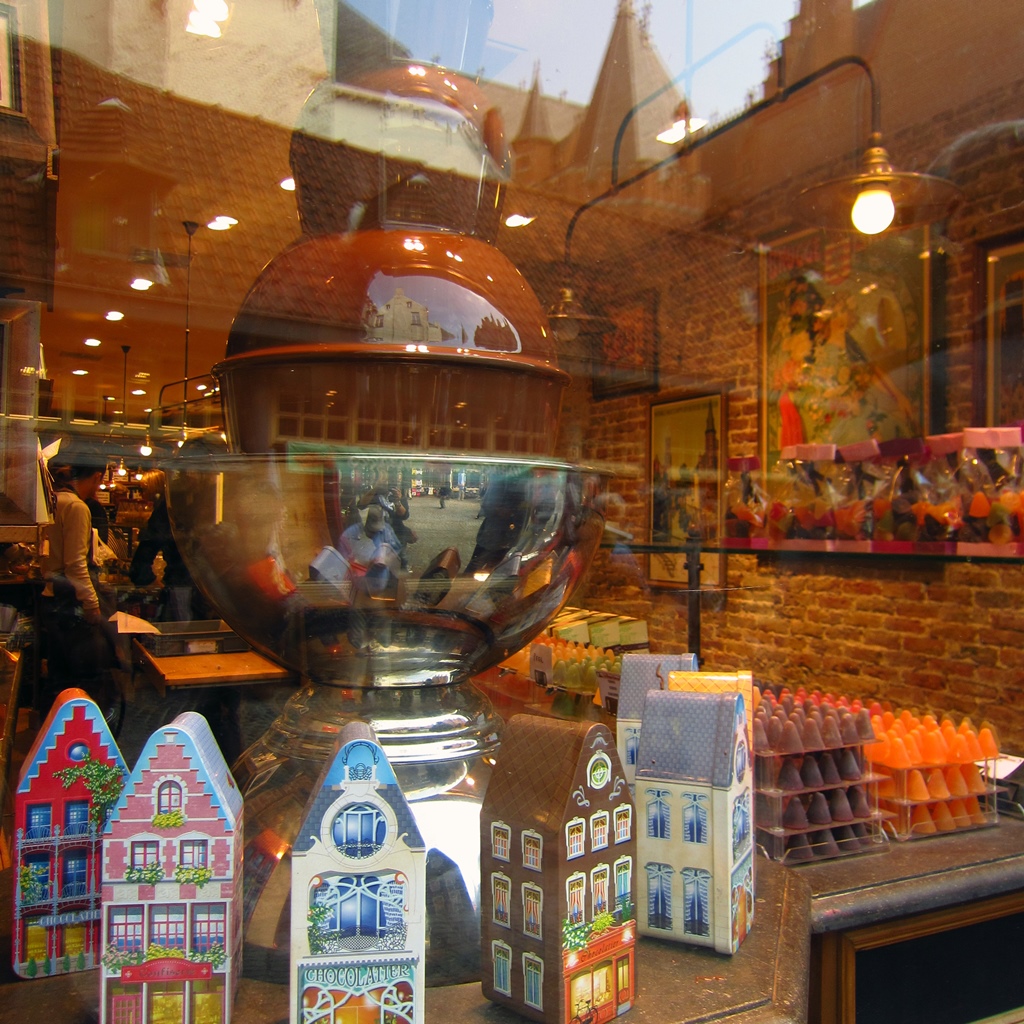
[[724, 47]]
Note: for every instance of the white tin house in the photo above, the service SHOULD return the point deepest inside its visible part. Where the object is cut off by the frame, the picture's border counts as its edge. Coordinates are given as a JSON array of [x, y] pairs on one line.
[[640, 673], [695, 820], [358, 894]]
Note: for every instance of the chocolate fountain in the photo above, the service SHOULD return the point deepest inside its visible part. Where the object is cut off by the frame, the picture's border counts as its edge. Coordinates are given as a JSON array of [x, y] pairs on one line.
[[391, 338]]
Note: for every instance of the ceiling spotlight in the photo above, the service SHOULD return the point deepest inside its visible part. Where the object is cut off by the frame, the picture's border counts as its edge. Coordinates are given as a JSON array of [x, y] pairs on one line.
[[288, 184], [142, 284], [221, 223], [80, 373], [138, 391], [93, 342], [114, 314], [517, 220]]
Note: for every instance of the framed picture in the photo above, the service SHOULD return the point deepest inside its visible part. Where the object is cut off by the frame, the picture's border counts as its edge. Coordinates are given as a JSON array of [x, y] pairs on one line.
[[625, 360], [10, 86], [1004, 328], [844, 353], [687, 461]]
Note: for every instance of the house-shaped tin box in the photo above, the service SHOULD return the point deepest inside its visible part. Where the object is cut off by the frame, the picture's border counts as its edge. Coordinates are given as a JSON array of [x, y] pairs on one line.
[[640, 673], [558, 865], [358, 894], [693, 796], [172, 883], [70, 779]]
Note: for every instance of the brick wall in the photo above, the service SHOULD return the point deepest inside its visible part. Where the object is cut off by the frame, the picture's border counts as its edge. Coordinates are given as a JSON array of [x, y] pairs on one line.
[[921, 633]]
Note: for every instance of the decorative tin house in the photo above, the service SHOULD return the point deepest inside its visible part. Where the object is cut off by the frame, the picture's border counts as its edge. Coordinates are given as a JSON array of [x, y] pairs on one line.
[[558, 857], [640, 673], [172, 872], [693, 795], [71, 777], [358, 894]]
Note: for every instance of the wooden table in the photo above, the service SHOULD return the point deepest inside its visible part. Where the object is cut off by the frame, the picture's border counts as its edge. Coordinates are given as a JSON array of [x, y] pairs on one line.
[[188, 670]]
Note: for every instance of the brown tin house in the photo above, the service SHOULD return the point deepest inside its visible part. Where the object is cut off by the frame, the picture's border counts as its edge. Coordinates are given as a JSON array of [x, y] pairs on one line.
[[558, 874]]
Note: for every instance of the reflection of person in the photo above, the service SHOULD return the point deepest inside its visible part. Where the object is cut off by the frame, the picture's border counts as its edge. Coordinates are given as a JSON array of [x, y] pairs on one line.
[[79, 650], [504, 511], [179, 599], [396, 511], [369, 542]]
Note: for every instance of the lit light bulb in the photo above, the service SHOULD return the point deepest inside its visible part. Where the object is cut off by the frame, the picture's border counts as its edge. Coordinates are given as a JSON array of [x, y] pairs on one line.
[[873, 211], [146, 449]]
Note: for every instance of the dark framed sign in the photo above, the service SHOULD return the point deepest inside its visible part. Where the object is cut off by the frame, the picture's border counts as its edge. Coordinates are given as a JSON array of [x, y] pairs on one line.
[[1004, 331], [685, 469], [844, 343], [625, 359]]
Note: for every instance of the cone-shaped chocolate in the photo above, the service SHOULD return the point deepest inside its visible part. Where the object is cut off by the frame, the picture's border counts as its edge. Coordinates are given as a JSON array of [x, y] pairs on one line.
[[864, 727], [761, 744], [848, 767], [824, 845], [818, 812], [858, 800], [846, 839], [789, 777], [790, 742], [848, 730], [810, 773], [829, 772], [794, 816], [798, 849], [830, 733], [811, 735], [839, 806]]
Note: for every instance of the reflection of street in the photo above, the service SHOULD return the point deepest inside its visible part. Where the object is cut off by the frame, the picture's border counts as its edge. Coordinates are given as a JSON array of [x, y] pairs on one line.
[[456, 525]]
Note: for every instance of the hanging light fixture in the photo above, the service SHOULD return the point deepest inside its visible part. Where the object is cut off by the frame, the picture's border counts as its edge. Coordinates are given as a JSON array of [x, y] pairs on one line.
[[569, 319], [878, 196]]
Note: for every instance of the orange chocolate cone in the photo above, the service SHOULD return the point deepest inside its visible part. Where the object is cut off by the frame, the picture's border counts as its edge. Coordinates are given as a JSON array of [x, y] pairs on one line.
[[974, 811], [972, 776], [988, 743], [943, 819], [916, 786], [960, 816], [937, 784], [912, 750], [898, 755], [959, 753], [974, 746], [934, 748], [955, 782], [921, 823]]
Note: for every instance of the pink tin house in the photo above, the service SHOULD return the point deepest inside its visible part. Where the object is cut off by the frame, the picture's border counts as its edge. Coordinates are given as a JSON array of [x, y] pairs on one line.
[[70, 779], [172, 873]]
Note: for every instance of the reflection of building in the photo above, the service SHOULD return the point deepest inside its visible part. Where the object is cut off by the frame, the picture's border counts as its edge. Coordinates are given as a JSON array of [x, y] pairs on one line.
[[557, 864], [401, 319], [71, 775], [358, 894], [171, 906], [693, 792]]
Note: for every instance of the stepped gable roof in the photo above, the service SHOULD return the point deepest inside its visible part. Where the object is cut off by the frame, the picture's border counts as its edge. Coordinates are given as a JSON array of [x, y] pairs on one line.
[[631, 72], [634, 681], [535, 123], [70, 703], [357, 745], [191, 732], [688, 737], [536, 765]]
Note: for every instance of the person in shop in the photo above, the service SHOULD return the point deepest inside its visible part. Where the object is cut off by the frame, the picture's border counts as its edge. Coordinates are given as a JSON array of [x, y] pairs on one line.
[[371, 550], [180, 601], [78, 641]]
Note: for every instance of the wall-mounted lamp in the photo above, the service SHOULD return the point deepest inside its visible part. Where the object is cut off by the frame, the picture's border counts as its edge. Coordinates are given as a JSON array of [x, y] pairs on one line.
[[915, 198], [878, 196], [569, 319]]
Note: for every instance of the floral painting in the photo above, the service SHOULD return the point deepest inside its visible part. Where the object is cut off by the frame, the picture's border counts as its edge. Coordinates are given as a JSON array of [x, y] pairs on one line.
[[626, 358], [844, 326]]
